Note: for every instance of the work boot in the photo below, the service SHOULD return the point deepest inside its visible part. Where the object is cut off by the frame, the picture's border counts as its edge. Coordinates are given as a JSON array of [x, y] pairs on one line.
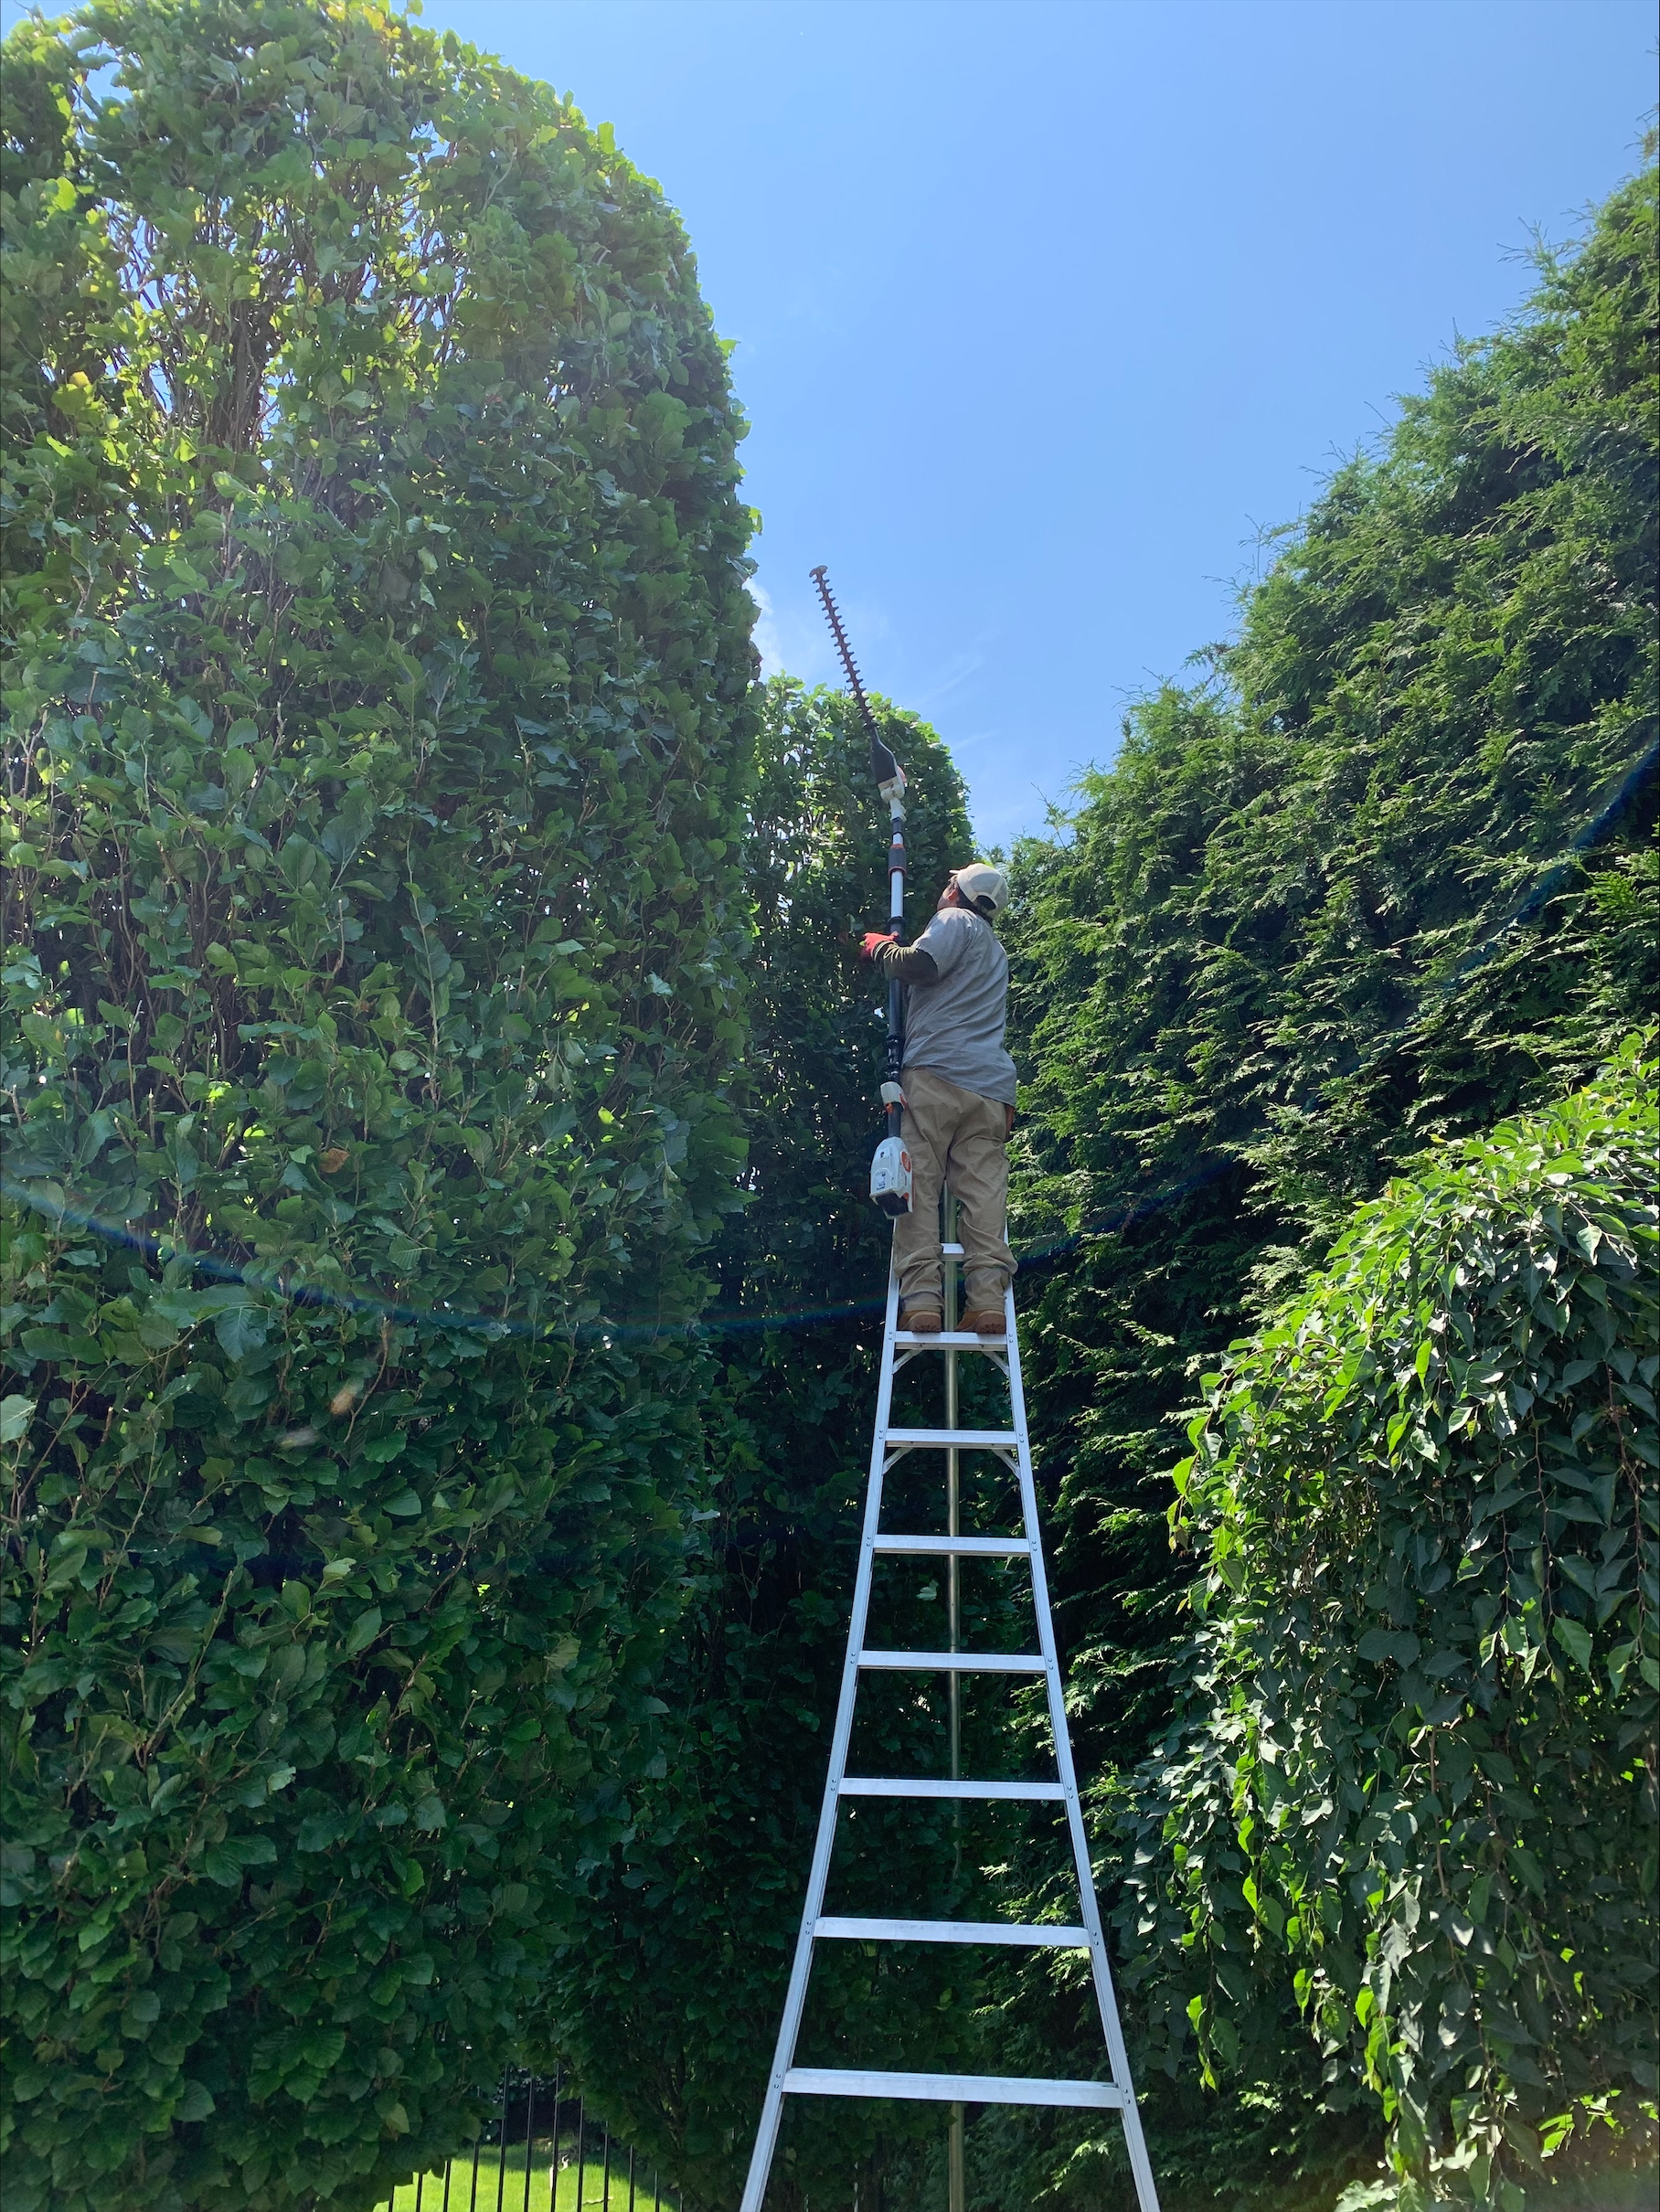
[[921, 1320], [983, 1320]]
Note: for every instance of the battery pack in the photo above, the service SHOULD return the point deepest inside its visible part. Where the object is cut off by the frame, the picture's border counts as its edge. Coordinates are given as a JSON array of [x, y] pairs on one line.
[[890, 1177]]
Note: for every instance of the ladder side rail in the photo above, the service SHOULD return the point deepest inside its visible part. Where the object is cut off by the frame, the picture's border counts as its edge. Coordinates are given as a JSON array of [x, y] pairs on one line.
[[789, 2026], [1118, 2057]]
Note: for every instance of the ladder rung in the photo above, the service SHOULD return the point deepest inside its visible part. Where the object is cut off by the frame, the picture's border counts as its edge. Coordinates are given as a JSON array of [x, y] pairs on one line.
[[881, 1785], [1045, 1937], [952, 1251], [949, 2089], [979, 1440], [957, 1663], [949, 1340], [983, 1547]]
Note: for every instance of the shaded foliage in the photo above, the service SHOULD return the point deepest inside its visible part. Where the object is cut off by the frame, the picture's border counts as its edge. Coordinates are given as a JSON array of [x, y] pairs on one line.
[[376, 738], [673, 2013]]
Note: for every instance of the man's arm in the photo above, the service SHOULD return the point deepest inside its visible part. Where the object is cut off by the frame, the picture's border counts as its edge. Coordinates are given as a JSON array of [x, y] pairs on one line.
[[906, 963], [933, 955]]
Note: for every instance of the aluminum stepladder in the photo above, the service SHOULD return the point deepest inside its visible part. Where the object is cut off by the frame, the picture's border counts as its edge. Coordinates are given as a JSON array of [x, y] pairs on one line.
[[1013, 1446]]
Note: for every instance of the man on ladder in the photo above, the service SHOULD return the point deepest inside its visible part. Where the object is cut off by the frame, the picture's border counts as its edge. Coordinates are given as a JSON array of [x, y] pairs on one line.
[[959, 1099], [949, 1093]]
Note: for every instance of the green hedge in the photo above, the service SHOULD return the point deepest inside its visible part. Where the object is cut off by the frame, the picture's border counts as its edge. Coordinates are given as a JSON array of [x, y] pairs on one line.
[[1419, 1789], [1383, 875], [673, 2013], [376, 734]]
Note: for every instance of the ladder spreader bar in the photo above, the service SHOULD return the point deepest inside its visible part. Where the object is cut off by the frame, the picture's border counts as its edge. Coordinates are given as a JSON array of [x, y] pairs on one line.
[[1044, 1937], [949, 2089], [959, 1662], [984, 1548], [883, 1785]]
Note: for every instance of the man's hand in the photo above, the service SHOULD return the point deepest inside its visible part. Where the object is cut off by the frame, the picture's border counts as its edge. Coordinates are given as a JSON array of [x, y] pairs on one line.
[[873, 938], [1008, 1124]]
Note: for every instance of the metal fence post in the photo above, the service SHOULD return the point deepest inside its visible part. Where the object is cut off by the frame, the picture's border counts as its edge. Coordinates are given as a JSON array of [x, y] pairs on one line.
[[501, 2147], [553, 2163], [529, 2133]]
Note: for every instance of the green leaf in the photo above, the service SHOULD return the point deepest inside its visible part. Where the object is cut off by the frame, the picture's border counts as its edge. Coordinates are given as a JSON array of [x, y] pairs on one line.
[[364, 1630], [196, 2103], [15, 1413], [241, 1329]]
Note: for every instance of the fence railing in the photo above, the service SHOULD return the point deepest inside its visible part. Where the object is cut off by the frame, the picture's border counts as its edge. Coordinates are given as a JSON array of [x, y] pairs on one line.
[[542, 2155]]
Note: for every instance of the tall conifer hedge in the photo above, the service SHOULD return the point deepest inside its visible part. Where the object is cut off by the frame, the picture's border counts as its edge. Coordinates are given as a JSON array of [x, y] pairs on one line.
[[1387, 877], [376, 740]]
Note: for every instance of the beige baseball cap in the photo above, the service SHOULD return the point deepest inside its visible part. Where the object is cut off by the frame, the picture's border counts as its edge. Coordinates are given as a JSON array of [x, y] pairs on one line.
[[982, 886]]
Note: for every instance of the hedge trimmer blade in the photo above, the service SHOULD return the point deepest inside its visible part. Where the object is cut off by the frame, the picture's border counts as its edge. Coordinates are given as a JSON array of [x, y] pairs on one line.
[[883, 766]]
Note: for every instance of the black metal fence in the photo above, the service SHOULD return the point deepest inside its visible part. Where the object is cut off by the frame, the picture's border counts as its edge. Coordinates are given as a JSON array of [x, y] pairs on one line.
[[543, 2154]]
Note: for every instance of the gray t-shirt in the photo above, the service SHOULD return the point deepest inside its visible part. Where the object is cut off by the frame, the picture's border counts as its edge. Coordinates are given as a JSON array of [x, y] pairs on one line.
[[955, 1025]]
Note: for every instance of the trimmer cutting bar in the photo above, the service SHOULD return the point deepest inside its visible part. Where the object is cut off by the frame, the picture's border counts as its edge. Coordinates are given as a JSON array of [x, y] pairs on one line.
[[883, 764], [890, 1169]]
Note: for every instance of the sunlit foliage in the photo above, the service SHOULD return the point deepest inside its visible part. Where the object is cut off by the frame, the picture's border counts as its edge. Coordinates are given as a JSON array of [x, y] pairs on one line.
[[377, 732]]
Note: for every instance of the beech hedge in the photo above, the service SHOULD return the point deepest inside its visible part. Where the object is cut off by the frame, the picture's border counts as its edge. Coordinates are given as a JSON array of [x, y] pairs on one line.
[[376, 728]]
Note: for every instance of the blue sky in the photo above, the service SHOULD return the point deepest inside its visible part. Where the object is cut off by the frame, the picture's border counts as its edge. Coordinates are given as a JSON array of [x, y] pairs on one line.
[[1044, 308]]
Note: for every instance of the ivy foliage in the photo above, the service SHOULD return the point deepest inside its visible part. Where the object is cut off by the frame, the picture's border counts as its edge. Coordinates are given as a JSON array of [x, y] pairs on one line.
[[376, 737], [1419, 1782], [673, 2013]]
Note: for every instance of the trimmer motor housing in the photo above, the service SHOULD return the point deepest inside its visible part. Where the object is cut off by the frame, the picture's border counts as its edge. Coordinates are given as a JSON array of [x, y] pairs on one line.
[[890, 1177]]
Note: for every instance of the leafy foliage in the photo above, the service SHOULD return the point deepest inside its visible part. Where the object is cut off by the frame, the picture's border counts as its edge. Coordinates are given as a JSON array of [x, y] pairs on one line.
[[1383, 877], [1420, 1777], [1271, 959], [377, 739], [672, 2015]]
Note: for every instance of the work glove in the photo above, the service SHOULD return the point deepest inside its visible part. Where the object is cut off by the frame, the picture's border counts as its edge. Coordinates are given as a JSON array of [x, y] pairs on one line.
[[873, 938]]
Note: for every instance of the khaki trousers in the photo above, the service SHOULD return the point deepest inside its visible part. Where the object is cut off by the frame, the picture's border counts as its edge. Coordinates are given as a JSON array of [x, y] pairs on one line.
[[956, 1138]]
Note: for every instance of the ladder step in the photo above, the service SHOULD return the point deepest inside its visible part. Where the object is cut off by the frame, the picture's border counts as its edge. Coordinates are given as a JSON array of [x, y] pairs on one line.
[[952, 1251], [957, 1663], [1045, 1937], [881, 1785], [980, 1440], [972, 1548], [949, 2089], [949, 1340]]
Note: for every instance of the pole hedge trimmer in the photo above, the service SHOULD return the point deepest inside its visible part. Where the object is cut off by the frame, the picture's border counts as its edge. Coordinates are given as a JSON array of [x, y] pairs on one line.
[[891, 1168]]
